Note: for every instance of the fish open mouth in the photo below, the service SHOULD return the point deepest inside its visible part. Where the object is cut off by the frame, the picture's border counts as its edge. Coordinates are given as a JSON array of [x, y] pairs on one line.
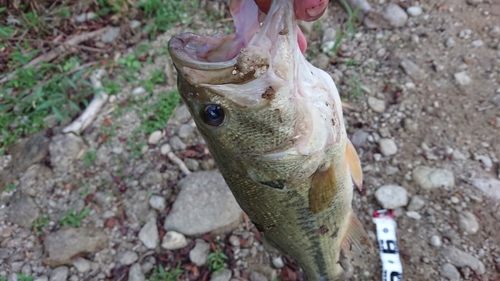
[[213, 59]]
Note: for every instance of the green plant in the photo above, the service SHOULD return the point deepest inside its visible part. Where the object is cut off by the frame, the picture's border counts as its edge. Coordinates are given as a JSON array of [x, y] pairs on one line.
[[353, 17], [355, 85], [155, 116], [72, 218], [164, 13], [216, 260], [161, 275], [4, 278], [156, 78], [24, 277], [39, 224], [351, 62], [10, 187], [89, 157], [336, 45]]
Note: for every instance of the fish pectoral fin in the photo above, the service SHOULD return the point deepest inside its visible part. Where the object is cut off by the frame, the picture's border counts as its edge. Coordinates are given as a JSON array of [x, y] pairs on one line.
[[356, 242], [354, 165], [323, 189]]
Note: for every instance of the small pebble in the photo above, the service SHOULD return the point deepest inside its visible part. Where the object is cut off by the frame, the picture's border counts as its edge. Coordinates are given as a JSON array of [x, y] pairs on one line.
[[436, 241], [414, 11], [155, 137]]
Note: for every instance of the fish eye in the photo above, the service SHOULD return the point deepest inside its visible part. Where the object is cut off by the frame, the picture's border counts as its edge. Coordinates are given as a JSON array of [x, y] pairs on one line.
[[213, 114]]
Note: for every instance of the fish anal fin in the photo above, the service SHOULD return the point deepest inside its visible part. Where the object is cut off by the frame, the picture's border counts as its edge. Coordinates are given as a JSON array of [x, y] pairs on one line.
[[356, 243], [323, 189], [354, 165]]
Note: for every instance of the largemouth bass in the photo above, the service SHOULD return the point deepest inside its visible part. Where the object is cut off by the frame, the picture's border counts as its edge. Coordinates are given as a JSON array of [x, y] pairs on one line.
[[274, 125]]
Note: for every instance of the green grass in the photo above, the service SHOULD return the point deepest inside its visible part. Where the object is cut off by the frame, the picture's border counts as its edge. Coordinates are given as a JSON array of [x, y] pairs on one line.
[[72, 218], [217, 260], [160, 274], [154, 116], [10, 187], [39, 224], [355, 85], [164, 13], [352, 19], [24, 277], [89, 157]]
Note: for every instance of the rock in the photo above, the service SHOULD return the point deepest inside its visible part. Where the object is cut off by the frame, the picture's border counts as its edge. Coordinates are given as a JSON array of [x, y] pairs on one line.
[[173, 240], [436, 241], [278, 262], [429, 178], [460, 259], [450, 272], [151, 178], [468, 222], [157, 202], [450, 42], [59, 274], [85, 17], [414, 11], [410, 125], [23, 212], [66, 243], [135, 24], [63, 151], [165, 149], [490, 186], [391, 196], [135, 273], [496, 99], [127, 257], [474, 2], [462, 78], [138, 91], [412, 70], [192, 164], [199, 254], [186, 132], [487, 163], [223, 275], [177, 144], [82, 265], [359, 138], [413, 215], [457, 155], [387, 147], [255, 276], [234, 240], [41, 278], [416, 203], [110, 35], [24, 153], [149, 234], [376, 104], [477, 43], [204, 204], [395, 15], [321, 61], [155, 137], [329, 34]]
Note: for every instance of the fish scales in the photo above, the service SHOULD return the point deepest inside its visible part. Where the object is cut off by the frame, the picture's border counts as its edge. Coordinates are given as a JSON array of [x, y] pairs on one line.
[[273, 124]]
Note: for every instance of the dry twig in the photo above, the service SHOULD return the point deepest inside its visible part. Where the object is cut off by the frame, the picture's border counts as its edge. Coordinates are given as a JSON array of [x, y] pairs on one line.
[[176, 160]]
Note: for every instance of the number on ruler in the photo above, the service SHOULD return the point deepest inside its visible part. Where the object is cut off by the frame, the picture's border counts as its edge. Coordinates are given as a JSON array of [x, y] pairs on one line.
[[392, 247]]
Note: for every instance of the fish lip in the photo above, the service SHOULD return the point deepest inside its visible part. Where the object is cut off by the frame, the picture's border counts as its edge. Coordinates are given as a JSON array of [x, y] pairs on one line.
[[182, 58]]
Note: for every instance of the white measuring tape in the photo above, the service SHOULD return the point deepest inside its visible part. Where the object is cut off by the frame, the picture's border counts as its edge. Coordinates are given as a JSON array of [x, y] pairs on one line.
[[392, 270]]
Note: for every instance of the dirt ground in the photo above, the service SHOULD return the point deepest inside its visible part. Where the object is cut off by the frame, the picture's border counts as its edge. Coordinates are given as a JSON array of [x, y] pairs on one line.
[[435, 117]]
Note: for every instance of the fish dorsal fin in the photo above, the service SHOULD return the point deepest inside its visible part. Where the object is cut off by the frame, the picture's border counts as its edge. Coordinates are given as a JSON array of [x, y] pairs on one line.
[[323, 189], [356, 243], [354, 165]]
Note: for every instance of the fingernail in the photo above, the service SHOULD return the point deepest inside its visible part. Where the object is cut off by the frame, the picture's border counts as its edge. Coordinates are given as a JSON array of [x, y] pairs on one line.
[[317, 10]]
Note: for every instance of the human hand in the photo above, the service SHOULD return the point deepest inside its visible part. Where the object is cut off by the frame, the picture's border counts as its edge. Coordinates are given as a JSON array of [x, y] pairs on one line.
[[306, 10]]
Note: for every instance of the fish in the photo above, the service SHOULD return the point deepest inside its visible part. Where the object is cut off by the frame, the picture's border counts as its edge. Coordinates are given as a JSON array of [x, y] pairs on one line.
[[274, 126]]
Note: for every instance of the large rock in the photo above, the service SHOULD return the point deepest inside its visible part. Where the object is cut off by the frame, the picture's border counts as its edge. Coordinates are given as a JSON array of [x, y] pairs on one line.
[[391, 196], [63, 151], [460, 259], [490, 186], [204, 204], [23, 212], [62, 245], [429, 178], [24, 153]]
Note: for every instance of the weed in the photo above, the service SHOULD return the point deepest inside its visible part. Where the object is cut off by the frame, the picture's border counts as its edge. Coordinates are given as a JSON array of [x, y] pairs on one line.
[[155, 116], [216, 260], [165, 13], [39, 224], [89, 157], [156, 78], [4, 278], [354, 84], [352, 19], [318, 27], [111, 87], [352, 62], [161, 275], [24, 277], [10, 187], [72, 218]]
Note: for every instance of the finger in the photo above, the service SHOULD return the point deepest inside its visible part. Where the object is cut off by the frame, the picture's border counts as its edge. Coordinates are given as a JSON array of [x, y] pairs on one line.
[[309, 10]]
